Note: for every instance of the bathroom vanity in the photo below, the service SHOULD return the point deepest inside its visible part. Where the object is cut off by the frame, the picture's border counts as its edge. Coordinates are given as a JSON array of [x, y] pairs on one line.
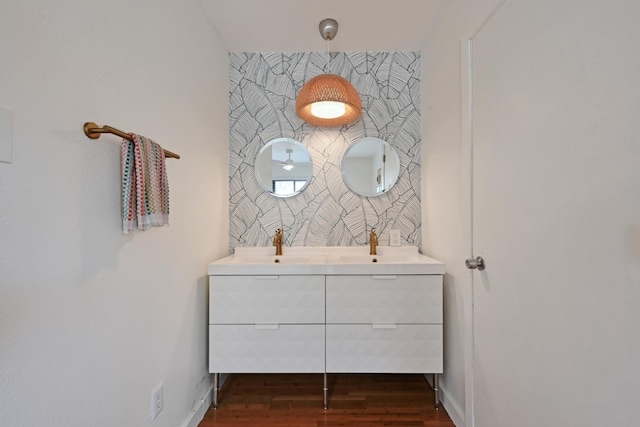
[[325, 310]]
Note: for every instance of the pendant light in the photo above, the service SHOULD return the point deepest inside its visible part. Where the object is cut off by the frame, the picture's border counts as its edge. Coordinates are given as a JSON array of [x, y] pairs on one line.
[[288, 164], [328, 99]]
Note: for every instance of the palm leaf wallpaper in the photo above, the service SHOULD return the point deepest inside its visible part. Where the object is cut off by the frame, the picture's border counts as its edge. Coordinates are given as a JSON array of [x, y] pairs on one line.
[[263, 88]]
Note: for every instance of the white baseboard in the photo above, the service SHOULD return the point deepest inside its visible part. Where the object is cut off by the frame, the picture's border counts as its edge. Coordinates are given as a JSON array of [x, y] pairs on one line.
[[452, 407], [200, 409]]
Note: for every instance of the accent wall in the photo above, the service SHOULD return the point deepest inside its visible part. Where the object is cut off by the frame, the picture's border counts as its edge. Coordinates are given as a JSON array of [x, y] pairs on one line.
[[262, 96]]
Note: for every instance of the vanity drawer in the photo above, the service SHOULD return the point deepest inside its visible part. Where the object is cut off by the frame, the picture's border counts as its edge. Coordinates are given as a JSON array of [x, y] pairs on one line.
[[266, 299], [384, 348], [266, 348], [384, 299]]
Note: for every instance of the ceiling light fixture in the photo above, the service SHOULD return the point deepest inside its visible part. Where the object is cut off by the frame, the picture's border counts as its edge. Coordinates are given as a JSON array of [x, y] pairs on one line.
[[328, 99], [288, 164]]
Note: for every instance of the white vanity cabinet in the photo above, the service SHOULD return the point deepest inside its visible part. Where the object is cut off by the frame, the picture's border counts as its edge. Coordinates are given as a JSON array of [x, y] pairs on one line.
[[266, 324], [325, 310], [384, 323]]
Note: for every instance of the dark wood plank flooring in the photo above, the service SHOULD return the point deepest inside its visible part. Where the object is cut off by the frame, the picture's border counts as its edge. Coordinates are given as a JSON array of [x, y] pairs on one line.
[[357, 400]]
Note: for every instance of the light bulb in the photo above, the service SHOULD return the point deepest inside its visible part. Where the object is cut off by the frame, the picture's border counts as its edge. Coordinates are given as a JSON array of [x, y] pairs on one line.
[[328, 109]]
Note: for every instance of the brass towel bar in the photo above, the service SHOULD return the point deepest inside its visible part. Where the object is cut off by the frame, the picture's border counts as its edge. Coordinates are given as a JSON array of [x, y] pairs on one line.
[[93, 131]]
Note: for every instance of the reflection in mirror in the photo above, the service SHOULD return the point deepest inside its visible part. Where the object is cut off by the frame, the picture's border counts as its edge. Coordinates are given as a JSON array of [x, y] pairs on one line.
[[370, 167], [283, 167]]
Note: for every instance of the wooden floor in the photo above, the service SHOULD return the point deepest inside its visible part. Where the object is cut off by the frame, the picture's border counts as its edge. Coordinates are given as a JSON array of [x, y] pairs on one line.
[[295, 400]]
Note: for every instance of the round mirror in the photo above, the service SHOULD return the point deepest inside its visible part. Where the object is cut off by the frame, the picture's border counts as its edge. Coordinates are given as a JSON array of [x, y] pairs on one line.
[[283, 167], [370, 167]]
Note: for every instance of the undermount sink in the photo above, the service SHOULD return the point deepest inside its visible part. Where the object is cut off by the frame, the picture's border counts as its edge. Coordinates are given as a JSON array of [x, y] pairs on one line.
[[382, 259], [326, 260], [273, 259]]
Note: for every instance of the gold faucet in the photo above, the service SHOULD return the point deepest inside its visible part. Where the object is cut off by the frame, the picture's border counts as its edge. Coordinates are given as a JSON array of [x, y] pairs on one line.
[[373, 242], [277, 241]]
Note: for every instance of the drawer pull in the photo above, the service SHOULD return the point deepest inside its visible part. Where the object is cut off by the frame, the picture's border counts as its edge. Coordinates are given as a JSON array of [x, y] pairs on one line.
[[266, 277], [380, 277], [383, 325], [266, 326]]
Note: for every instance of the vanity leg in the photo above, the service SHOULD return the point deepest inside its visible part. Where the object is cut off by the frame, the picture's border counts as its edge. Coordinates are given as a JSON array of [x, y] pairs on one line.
[[325, 391], [216, 387], [436, 390]]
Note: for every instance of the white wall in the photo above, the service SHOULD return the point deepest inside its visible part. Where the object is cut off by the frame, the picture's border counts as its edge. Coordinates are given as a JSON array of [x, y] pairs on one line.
[[92, 320]]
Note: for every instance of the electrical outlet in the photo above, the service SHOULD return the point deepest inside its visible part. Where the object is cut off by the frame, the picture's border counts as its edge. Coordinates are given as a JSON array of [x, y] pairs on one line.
[[157, 401], [394, 238]]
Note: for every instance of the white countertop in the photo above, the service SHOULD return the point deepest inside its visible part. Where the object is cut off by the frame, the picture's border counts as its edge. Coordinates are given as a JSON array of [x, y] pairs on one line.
[[328, 260]]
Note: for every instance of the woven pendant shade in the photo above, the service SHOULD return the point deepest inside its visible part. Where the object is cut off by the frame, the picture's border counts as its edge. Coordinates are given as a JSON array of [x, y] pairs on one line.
[[333, 88]]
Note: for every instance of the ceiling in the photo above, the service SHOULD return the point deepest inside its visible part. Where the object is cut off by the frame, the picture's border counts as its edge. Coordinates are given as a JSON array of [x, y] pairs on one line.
[[292, 25]]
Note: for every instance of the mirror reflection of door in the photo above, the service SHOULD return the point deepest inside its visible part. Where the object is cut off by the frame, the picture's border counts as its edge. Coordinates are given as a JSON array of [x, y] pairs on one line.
[[283, 167], [370, 167]]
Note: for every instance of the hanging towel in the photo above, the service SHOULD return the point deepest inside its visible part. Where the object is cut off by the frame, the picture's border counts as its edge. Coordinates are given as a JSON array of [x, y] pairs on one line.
[[145, 188]]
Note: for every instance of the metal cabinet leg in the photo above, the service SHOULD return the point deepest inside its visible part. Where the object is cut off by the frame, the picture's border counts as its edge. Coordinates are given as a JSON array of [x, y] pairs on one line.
[[216, 387], [325, 390], [436, 390]]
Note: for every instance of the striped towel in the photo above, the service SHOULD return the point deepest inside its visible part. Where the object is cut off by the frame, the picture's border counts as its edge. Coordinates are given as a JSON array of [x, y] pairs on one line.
[[145, 188]]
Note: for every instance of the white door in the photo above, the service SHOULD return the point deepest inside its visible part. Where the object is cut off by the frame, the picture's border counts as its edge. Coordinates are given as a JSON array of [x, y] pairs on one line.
[[555, 92]]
